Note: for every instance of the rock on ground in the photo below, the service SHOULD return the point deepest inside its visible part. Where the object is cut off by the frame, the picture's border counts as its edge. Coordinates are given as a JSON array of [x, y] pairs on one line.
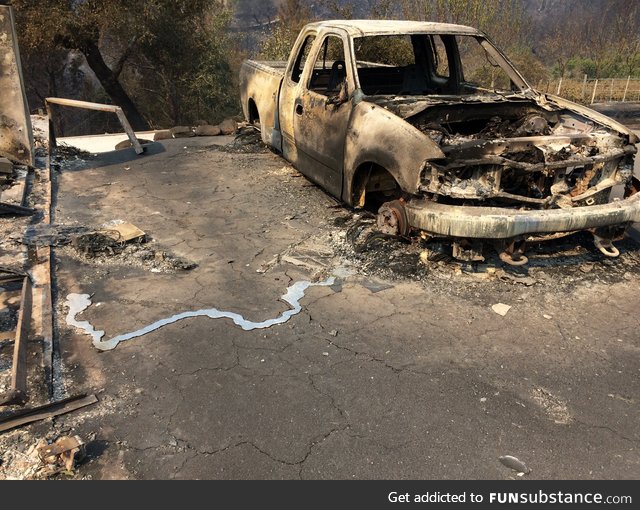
[[164, 134], [208, 130], [228, 126], [182, 132]]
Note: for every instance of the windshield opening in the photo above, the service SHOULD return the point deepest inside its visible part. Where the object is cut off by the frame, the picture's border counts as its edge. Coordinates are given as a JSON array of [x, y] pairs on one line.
[[429, 64]]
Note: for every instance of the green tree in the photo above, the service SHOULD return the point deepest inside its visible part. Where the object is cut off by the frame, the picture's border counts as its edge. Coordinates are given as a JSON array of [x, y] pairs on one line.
[[292, 16], [181, 68], [505, 22], [46, 25], [171, 56]]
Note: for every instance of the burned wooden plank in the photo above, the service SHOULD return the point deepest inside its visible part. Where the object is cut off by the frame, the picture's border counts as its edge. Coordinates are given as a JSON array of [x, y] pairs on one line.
[[18, 392], [46, 314], [9, 278], [43, 412], [9, 275], [44, 296], [19, 210], [19, 372], [9, 270]]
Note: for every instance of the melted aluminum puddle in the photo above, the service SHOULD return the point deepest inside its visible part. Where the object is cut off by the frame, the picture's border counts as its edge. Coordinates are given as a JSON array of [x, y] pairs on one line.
[[79, 302]]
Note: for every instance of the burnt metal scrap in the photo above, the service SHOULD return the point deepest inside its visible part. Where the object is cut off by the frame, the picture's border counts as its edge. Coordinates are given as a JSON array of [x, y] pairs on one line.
[[430, 125], [73, 103]]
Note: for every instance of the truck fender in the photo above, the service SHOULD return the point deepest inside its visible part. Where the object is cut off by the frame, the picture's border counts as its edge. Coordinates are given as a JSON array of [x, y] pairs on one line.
[[377, 136]]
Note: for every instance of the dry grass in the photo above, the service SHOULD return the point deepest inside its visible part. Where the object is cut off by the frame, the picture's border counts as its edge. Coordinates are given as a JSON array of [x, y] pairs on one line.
[[607, 89]]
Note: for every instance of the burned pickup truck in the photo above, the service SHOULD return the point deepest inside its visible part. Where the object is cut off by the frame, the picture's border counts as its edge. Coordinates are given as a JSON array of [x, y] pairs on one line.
[[431, 126]]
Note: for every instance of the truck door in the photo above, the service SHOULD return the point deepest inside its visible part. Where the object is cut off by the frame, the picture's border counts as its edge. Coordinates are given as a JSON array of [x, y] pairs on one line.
[[321, 112], [289, 93]]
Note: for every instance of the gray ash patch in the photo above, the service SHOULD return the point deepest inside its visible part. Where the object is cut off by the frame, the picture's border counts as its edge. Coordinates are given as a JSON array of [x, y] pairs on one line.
[[99, 249]]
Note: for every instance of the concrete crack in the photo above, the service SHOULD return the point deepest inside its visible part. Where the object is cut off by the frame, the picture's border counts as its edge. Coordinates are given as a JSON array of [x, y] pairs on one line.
[[613, 431]]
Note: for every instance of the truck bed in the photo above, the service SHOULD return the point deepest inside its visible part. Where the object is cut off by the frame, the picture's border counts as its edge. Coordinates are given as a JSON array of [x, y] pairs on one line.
[[259, 87], [276, 67]]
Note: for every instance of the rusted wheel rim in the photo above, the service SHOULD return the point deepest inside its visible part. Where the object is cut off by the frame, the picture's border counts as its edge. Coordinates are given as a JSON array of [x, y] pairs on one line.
[[392, 219], [507, 258]]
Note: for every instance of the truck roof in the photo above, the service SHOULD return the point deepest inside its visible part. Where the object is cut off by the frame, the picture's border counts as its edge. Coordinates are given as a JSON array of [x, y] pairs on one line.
[[362, 27]]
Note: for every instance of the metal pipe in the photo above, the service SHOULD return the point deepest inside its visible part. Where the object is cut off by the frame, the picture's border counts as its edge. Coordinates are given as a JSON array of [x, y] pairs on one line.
[[74, 103]]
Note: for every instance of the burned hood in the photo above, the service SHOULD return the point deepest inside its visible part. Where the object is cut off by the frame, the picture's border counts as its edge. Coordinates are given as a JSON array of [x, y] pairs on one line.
[[482, 121], [407, 107], [559, 103], [410, 108]]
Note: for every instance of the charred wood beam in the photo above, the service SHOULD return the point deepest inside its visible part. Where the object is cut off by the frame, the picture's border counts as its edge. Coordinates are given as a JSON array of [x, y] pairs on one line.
[[46, 411], [18, 392], [7, 209]]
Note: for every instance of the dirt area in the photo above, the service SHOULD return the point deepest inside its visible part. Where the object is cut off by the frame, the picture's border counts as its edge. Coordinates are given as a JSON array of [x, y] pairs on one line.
[[395, 366]]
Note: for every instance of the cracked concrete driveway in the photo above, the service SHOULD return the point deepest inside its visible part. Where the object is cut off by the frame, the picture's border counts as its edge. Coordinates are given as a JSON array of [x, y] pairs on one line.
[[379, 376]]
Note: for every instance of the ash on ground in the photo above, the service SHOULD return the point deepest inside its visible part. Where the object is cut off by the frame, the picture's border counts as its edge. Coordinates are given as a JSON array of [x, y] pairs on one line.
[[66, 153], [102, 249], [247, 141]]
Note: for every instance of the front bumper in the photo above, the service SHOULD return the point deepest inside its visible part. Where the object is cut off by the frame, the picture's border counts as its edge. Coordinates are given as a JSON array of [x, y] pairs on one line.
[[503, 223]]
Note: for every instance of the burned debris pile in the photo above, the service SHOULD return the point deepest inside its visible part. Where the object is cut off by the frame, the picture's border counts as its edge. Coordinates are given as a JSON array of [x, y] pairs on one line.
[[97, 243], [125, 244], [565, 261], [247, 141]]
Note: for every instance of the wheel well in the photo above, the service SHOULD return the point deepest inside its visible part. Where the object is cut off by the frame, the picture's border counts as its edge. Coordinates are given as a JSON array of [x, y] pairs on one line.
[[372, 186], [254, 115]]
